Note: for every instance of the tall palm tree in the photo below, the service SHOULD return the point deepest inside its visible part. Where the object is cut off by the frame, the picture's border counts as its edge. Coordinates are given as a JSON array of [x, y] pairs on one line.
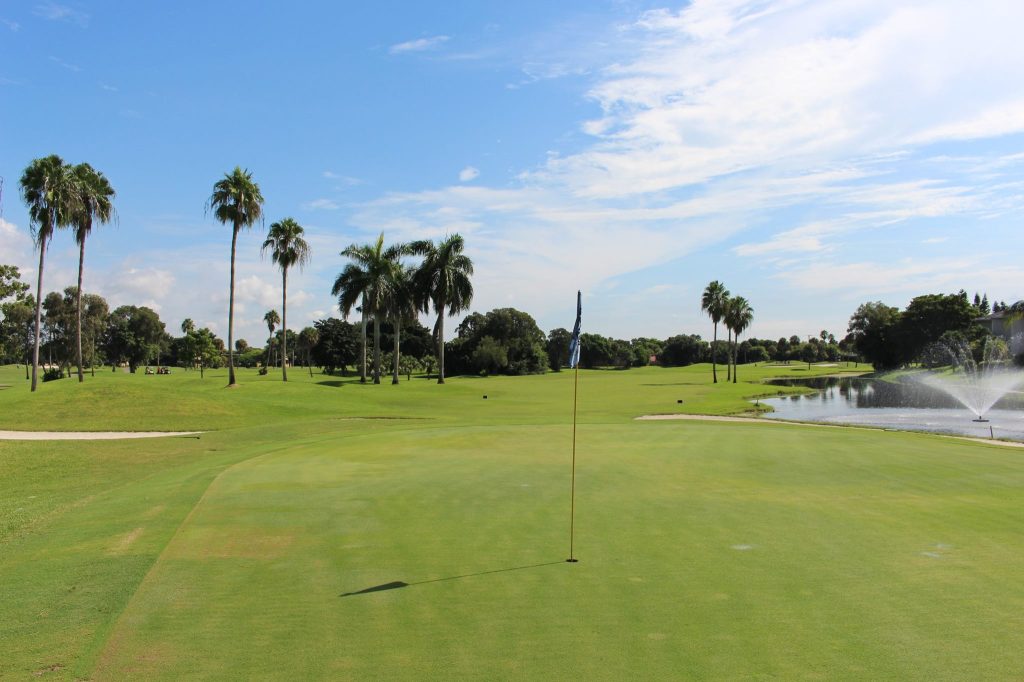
[[236, 199], [738, 317], [94, 204], [272, 319], [713, 303], [443, 279], [401, 305], [287, 248], [366, 279], [48, 189]]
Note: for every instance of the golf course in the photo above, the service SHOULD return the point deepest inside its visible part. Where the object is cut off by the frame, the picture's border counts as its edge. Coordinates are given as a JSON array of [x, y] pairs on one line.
[[324, 529]]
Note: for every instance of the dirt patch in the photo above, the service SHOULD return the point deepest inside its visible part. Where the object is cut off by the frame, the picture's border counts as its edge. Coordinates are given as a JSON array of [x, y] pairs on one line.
[[90, 435], [125, 541]]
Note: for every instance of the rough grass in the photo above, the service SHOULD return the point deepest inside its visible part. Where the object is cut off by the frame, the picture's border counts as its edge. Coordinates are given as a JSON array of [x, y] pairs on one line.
[[299, 540]]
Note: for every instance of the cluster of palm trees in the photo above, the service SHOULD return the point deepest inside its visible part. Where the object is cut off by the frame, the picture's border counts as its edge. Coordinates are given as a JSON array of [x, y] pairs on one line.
[[736, 313], [61, 195], [387, 288], [237, 200]]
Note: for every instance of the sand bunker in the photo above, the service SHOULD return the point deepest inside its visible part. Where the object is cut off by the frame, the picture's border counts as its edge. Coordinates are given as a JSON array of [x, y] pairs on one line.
[[90, 435]]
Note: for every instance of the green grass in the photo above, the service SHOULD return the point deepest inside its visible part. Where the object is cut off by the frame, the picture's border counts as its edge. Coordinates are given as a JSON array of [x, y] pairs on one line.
[[707, 550]]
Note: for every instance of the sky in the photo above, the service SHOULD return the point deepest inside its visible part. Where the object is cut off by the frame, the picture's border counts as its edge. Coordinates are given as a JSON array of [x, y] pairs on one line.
[[810, 155]]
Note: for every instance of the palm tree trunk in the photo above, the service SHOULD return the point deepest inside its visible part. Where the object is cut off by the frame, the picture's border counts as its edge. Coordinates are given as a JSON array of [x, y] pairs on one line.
[[376, 348], [440, 344], [735, 367], [398, 325], [39, 313], [728, 355], [714, 366], [231, 311], [81, 264], [284, 324], [362, 366]]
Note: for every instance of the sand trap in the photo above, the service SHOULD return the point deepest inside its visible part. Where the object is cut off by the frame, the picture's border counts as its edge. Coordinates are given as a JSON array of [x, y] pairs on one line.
[[90, 435]]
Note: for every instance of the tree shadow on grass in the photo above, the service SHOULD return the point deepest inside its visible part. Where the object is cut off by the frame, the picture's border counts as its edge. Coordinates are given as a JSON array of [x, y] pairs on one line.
[[399, 583], [337, 383]]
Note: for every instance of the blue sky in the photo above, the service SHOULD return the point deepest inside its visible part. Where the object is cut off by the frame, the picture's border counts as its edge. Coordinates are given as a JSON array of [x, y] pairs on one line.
[[811, 155]]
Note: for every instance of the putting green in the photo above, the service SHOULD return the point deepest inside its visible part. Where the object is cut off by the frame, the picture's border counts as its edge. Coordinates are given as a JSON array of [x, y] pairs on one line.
[[314, 545]]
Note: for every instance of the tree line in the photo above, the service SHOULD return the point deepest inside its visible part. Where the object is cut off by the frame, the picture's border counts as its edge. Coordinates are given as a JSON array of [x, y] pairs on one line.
[[890, 338]]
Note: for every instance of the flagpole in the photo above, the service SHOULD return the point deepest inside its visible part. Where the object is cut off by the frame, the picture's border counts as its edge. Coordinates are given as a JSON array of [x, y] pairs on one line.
[[572, 496]]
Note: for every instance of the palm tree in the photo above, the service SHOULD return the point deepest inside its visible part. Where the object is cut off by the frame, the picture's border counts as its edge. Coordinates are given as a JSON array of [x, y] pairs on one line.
[[713, 303], [401, 305], [443, 279], [737, 318], [308, 338], [272, 319], [48, 189], [287, 248], [367, 278], [94, 204], [236, 199]]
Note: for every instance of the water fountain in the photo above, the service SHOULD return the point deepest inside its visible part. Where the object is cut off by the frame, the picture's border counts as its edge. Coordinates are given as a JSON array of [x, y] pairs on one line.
[[975, 385]]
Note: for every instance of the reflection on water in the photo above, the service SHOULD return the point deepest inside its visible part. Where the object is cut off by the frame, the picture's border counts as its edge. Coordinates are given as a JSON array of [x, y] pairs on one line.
[[907, 406]]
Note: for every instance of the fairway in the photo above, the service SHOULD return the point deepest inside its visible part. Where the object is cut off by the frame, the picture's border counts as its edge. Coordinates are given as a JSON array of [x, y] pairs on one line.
[[321, 529]]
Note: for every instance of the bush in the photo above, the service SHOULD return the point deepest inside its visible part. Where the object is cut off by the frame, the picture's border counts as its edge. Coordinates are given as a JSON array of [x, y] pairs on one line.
[[53, 374]]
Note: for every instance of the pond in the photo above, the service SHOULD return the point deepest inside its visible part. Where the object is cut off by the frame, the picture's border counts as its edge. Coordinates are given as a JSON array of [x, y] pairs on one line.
[[905, 406]]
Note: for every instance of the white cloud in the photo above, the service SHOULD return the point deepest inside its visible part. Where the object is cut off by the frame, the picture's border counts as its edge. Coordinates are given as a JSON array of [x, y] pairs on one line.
[[55, 12], [321, 205], [65, 65], [418, 45], [343, 179], [12, 25], [468, 173]]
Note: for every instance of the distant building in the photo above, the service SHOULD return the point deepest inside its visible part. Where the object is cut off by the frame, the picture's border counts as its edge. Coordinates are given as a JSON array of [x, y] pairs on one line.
[[1007, 325]]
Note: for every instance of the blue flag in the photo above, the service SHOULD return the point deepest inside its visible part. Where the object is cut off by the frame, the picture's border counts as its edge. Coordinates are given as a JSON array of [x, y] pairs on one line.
[[574, 342]]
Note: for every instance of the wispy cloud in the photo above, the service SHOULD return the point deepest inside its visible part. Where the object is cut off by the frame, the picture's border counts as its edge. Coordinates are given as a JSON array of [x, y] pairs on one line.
[[108, 87], [468, 173], [65, 65], [56, 12], [12, 25], [342, 179], [418, 45], [321, 205]]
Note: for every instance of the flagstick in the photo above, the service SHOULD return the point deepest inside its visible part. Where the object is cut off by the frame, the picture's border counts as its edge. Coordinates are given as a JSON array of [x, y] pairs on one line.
[[572, 497]]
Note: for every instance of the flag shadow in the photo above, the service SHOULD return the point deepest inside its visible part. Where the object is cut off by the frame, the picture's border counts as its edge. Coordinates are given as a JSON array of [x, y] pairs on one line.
[[394, 585]]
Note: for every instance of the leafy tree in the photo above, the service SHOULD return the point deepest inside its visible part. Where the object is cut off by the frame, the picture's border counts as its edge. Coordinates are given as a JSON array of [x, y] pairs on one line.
[[490, 356], [236, 199], [444, 280], [336, 344], [288, 249], [643, 349], [94, 204], [133, 335], [928, 317], [514, 331], [11, 284], [48, 189], [558, 348], [874, 328], [685, 349], [17, 329], [738, 318], [713, 301], [241, 345]]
